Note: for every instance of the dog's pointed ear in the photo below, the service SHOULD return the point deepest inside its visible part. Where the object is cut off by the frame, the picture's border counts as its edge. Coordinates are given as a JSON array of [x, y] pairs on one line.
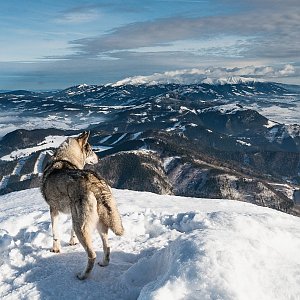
[[83, 138]]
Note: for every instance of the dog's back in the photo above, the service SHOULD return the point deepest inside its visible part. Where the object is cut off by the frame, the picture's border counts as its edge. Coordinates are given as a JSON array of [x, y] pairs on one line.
[[74, 191]]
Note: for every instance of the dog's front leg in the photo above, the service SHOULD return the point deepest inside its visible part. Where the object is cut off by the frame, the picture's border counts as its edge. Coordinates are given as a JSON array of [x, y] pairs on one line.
[[54, 221]]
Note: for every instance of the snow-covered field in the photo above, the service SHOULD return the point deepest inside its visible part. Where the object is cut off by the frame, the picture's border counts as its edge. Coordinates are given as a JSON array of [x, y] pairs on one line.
[[288, 114], [173, 248], [49, 141]]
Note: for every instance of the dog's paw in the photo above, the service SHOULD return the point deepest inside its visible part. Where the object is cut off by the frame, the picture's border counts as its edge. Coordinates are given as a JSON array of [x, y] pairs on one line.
[[103, 263], [73, 243], [106, 259], [81, 276], [55, 250]]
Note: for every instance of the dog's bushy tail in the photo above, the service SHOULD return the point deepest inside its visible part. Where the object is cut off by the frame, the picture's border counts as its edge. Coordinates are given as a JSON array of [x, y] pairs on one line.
[[107, 207], [115, 222]]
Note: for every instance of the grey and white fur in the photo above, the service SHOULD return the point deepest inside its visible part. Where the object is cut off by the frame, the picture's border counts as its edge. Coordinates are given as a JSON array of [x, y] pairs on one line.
[[67, 188]]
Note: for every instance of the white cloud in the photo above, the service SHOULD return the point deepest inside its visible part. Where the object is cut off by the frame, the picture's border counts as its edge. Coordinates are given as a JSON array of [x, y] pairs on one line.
[[78, 16], [287, 70], [212, 75]]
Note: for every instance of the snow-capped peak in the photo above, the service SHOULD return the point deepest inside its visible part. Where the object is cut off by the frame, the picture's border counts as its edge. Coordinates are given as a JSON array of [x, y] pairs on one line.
[[193, 76], [230, 80], [81, 86]]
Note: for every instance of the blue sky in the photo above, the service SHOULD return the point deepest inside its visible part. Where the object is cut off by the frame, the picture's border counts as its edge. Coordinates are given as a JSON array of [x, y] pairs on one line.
[[56, 44]]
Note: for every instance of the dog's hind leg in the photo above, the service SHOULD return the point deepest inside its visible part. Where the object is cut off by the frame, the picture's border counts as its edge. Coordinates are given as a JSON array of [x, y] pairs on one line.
[[54, 222], [73, 240], [84, 236], [103, 231]]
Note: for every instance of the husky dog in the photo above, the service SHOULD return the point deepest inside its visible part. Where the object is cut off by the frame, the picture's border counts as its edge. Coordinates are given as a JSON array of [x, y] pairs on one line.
[[67, 188]]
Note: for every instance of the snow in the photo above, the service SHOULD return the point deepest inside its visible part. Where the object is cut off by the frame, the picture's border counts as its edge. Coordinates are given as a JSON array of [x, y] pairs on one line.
[[230, 108], [230, 80], [173, 248], [136, 135], [243, 143], [51, 141], [275, 134], [287, 189], [176, 126], [71, 109], [18, 167], [213, 76], [168, 161], [184, 108], [119, 139], [38, 167], [280, 113], [105, 139], [6, 128], [4, 181], [84, 85], [101, 148], [270, 124], [293, 130], [25, 177], [271, 136], [32, 118]]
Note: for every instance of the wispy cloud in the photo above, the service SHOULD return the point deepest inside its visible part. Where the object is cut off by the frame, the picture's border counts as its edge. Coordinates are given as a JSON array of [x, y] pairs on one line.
[[78, 15], [270, 32]]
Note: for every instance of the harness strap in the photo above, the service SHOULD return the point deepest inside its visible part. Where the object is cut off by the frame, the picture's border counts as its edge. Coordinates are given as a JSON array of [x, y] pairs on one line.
[[64, 163]]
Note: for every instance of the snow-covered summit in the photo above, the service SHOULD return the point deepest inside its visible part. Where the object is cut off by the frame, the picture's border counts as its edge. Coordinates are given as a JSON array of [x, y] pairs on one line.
[[212, 75], [191, 76], [84, 85], [141, 80], [230, 80], [173, 248]]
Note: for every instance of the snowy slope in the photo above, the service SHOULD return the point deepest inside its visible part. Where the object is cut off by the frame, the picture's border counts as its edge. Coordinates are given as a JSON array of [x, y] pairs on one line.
[[174, 248], [49, 142]]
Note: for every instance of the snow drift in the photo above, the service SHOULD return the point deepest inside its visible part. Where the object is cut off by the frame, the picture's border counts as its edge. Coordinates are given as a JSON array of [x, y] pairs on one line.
[[173, 248]]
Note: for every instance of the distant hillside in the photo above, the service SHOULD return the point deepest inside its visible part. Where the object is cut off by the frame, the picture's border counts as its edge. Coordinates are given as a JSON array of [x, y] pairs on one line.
[[203, 140]]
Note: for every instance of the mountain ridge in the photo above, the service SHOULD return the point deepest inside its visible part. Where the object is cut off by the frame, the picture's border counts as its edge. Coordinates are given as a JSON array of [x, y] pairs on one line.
[[204, 140]]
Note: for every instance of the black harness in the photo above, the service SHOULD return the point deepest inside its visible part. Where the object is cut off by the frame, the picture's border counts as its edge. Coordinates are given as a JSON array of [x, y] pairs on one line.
[[57, 165]]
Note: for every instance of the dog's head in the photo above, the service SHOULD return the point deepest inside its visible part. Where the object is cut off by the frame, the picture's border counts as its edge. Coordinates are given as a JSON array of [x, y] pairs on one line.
[[90, 157], [77, 151]]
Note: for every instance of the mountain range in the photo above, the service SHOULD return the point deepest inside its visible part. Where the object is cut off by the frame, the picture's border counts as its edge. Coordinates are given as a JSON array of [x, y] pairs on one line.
[[234, 139]]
